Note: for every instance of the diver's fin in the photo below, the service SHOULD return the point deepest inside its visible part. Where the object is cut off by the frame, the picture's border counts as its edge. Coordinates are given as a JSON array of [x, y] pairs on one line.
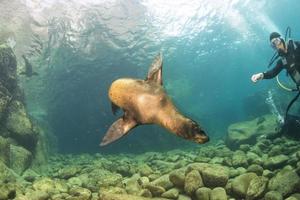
[[155, 70], [118, 129], [114, 108]]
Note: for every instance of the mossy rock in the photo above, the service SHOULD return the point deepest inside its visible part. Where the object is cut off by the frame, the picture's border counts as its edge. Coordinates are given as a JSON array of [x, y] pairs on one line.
[[145, 170], [295, 196], [177, 177], [193, 181], [241, 183], [20, 126], [154, 189], [4, 150], [171, 194], [164, 182], [273, 195], [239, 159], [8, 66], [246, 132], [257, 188], [80, 193], [203, 193], [218, 193], [7, 191], [6, 174], [285, 182], [184, 197], [5, 98], [276, 162], [68, 172], [107, 196], [105, 178], [132, 184], [215, 176], [44, 184], [257, 169], [20, 159]]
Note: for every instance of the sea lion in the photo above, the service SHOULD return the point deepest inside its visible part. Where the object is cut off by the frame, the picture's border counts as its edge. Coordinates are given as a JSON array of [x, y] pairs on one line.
[[28, 68], [146, 102]]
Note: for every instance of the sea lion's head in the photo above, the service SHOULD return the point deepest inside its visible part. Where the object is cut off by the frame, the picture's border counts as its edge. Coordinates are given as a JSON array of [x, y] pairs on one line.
[[192, 131]]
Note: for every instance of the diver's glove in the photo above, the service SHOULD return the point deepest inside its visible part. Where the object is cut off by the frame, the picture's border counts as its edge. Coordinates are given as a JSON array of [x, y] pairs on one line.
[[257, 77]]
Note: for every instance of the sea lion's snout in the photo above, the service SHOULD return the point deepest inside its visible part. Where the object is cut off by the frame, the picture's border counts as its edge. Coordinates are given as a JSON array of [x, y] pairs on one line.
[[198, 134], [201, 138]]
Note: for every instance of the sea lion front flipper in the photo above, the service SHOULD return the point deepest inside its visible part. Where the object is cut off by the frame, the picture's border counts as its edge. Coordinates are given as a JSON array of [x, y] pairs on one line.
[[118, 129], [155, 70], [114, 108]]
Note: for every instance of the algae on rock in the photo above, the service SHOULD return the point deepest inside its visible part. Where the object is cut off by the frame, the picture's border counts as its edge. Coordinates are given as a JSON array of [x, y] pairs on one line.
[[248, 131], [19, 137]]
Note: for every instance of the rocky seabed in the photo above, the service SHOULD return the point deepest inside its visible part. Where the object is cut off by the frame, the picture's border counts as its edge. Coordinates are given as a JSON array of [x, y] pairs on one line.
[[268, 170]]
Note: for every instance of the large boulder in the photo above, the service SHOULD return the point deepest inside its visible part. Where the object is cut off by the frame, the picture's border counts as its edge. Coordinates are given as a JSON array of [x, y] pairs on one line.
[[18, 136], [8, 66], [20, 126], [193, 181], [285, 182], [20, 159], [5, 98], [6, 174], [256, 188], [215, 176], [241, 184], [177, 177], [276, 162], [246, 132]]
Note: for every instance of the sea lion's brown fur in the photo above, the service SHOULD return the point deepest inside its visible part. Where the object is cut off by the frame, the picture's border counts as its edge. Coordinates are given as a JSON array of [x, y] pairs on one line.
[[146, 102]]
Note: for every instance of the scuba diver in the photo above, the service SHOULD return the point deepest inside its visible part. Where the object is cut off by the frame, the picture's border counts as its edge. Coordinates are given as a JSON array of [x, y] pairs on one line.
[[289, 54], [288, 57], [28, 68]]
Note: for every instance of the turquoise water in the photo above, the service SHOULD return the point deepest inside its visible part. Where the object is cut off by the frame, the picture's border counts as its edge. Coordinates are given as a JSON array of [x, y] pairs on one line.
[[210, 50]]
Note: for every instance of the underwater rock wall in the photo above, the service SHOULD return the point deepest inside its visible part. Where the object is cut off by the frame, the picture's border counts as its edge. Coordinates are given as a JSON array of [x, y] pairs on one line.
[[20, 140]]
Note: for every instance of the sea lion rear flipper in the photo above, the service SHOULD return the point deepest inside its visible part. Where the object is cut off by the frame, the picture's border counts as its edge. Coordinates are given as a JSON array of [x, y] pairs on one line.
[[155, 70], [118, 129], [114, 108]]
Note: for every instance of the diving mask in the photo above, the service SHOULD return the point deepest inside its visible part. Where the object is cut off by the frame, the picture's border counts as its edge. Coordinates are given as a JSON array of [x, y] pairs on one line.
[[275, 42]]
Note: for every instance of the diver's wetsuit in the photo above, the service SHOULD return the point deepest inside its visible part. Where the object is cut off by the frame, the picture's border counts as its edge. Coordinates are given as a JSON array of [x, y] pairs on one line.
[[292, 56]]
